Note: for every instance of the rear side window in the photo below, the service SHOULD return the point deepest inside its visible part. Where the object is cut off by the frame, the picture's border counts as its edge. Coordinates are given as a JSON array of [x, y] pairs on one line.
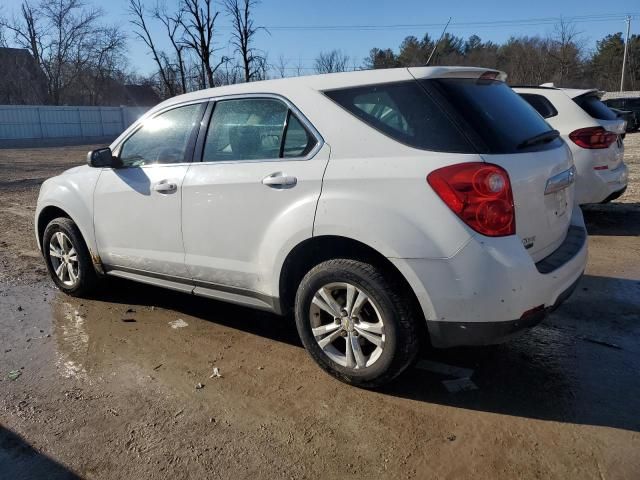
[[542, 105], [298, 142], [493, 112], [404, 112], [594, 107]]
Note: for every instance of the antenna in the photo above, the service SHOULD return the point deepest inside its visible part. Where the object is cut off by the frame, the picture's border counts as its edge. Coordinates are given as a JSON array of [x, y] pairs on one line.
[[435, 47]]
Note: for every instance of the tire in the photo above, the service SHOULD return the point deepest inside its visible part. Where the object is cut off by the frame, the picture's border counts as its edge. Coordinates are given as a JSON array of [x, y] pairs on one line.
[[62, 237], [392, 333]]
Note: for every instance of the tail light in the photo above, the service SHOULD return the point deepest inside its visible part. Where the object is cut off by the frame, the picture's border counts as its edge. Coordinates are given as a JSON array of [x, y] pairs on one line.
[[593, 137], [480, 194]]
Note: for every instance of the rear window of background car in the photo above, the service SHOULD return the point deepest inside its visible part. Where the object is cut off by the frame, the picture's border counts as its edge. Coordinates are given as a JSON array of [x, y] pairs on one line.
[[447, 115], [542, 105], [594, 107], [615, 103]]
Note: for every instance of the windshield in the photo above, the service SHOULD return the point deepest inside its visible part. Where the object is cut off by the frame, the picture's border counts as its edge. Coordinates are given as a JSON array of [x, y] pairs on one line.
[[500, 119]]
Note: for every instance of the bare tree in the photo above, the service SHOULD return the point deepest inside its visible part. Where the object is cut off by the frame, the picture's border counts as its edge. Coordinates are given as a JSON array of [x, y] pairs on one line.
[[62, 36], [106, 64], [71, 31], [329, 62], [566, 48], [26, 30], [172, 25], [300, 69], [281, 66], [243, 33], [198, 21], [141, 30]]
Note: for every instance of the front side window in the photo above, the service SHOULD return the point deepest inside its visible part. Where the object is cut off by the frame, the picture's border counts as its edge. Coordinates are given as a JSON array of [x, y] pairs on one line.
[[163, 138], [254, 129]]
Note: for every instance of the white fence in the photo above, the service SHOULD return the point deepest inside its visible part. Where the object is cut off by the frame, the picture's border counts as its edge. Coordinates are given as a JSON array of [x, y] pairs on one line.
[[24, 122]]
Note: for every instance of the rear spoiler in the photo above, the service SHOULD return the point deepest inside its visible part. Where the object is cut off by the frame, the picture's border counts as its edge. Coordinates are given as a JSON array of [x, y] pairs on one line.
[[420, 73]]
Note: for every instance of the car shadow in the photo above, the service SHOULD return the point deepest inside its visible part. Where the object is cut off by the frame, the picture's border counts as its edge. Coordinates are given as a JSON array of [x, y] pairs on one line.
[[579, 366], [136, 178], [612, 219], [18, 460]]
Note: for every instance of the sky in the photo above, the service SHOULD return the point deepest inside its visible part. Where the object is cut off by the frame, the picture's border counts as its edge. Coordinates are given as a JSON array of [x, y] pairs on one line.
[[299, 30]]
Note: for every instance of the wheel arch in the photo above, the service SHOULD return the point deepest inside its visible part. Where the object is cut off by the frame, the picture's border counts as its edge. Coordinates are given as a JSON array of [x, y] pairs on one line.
[[45, 216], [51, 212], [312, 251]]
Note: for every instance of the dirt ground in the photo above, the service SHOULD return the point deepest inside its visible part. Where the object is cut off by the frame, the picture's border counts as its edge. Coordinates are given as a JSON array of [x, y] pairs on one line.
[[107, 385]]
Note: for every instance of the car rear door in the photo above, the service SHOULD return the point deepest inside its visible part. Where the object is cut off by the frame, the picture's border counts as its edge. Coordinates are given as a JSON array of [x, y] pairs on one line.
[[505, 128], [254, 192], [137, 207]]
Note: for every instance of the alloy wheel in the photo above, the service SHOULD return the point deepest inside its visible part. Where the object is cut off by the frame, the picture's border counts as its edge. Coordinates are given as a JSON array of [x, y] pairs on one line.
[[64, 259], [348, 325]]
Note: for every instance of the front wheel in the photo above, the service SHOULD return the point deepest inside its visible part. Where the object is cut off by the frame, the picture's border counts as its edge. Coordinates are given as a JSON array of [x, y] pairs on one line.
[[67, 257], [355, 323]]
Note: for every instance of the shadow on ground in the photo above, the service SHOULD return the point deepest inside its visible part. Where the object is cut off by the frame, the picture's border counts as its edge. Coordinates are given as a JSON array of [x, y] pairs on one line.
[[20, 461], [580, 365], [613, 219]]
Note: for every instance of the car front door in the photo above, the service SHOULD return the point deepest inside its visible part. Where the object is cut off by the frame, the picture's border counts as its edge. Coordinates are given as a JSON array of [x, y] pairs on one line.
[[255, 189], [137, 207]]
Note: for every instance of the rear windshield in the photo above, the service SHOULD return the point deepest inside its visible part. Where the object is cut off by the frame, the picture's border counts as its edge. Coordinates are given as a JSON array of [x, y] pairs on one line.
[[451, 115], [494, 112], [594, 107]]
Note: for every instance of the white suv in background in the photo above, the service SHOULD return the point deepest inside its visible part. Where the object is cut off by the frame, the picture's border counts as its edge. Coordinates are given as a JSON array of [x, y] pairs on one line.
[[593, 132], [378, 206]]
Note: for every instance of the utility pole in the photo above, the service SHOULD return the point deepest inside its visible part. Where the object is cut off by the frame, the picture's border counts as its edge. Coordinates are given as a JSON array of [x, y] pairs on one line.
[[624, 55]]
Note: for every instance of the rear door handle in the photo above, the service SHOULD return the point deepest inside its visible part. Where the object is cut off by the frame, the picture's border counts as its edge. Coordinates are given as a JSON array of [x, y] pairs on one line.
[[279, 180], [165, 186]]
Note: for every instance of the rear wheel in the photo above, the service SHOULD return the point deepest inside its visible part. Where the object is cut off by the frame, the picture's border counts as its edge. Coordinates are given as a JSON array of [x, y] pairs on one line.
[[67, 257], [355, 323]]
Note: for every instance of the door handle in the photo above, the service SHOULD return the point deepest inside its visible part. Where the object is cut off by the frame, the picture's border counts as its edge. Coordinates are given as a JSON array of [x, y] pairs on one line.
[[165, 186], [279, 180]]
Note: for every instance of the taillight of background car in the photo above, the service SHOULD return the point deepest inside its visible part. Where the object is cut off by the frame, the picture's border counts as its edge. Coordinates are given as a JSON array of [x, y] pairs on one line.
[[593, 137]]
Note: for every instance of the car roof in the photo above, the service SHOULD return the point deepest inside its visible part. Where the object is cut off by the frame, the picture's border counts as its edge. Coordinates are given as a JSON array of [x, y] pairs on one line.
[[337, 80]]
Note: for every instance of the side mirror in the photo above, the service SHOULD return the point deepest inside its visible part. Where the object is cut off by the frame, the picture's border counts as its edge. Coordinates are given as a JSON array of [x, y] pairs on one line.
[[101, 157]]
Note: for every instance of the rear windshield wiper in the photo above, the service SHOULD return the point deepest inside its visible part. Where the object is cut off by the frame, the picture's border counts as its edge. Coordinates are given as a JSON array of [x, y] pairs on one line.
[[544, 137]]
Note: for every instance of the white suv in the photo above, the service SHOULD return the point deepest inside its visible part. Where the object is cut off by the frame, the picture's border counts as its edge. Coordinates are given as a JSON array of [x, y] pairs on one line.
[[379, 206], [593, 132]]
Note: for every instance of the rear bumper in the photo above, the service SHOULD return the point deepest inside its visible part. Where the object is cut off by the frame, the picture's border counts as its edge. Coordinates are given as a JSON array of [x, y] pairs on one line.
[[596, 186], [449, 334], [492, 288]]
